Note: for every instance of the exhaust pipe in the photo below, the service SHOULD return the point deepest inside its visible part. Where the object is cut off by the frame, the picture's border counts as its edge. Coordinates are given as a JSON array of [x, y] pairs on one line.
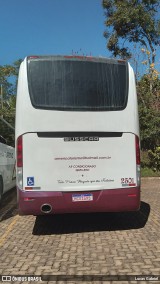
[[46, 208]]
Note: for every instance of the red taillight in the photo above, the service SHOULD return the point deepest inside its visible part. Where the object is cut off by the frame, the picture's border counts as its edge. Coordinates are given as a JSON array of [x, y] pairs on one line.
[[137, 151], [19, 152]]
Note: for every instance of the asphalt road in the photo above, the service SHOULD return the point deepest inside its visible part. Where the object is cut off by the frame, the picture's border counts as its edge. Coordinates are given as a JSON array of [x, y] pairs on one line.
[[100, 245]]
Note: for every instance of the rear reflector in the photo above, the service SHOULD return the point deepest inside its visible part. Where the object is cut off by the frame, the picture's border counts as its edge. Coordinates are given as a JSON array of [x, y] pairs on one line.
[[132, 195], [28, 199], [28, 188], [20, 152]]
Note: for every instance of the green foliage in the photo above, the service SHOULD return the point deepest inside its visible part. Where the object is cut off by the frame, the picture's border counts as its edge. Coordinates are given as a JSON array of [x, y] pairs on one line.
[[145, 162], [7, 109], [149, 115], [8, 113], [146, 172], [134, 21], [149, 126], [5, 73], [154, 157], [16, 66]]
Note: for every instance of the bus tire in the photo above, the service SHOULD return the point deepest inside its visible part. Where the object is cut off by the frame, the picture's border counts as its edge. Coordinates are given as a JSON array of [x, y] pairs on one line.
[[1, 188]]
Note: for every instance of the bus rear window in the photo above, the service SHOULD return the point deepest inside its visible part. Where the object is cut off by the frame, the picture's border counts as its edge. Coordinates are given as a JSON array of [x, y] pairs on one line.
[[80, 85]]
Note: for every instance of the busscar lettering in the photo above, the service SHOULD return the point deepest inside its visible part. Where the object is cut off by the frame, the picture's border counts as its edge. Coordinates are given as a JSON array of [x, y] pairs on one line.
[[76, 139]]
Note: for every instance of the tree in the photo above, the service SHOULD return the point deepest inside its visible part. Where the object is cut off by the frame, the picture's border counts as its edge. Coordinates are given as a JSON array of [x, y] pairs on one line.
[[7, 117], [16, 66], [149, 117], [7, 108], [131, 21], [5, 72]]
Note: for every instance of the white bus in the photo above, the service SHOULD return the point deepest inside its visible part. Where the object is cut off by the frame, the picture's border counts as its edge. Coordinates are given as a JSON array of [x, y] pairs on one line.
[[77, 136], [7, 167]]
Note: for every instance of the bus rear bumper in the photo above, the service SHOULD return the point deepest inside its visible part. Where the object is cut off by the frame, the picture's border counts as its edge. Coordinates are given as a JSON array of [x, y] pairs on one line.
[[113, 200]]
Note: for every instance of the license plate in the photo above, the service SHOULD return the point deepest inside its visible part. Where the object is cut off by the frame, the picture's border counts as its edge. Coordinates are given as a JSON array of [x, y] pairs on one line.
[[82, 197]]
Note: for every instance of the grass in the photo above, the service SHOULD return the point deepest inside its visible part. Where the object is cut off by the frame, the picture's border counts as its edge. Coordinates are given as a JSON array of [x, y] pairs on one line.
[[146, 172]]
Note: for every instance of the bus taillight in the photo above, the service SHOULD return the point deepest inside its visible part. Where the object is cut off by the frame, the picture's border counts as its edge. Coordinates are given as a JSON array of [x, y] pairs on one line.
[[138, 170], [20, 162], [20, 152], [137, 151]]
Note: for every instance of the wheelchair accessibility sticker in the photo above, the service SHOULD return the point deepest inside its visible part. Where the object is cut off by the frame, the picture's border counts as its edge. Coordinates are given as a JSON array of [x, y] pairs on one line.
[[30, 181]]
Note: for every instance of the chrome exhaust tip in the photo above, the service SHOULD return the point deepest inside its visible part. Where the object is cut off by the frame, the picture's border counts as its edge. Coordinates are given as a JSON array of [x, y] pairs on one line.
[[46, 208]]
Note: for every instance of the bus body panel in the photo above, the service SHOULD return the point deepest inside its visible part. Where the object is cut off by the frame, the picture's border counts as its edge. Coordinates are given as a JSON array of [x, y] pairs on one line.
[[114, 200], [64, 164], [7, 166], [88, 156]]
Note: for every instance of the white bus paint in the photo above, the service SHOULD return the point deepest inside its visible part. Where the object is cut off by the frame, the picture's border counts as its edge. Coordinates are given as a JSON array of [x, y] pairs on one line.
[[66, 147], [7, 167]]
